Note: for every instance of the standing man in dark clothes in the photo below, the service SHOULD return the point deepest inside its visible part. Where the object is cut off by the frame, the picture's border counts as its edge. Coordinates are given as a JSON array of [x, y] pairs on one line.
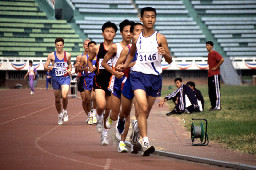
[[214, 61]]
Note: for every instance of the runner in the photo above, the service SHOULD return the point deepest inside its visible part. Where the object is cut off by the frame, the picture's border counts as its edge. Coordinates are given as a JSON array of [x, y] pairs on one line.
[[81, 78], [117, 78], [146, 77], [126, 101], [61, 70], [102, 79], [87, 82]]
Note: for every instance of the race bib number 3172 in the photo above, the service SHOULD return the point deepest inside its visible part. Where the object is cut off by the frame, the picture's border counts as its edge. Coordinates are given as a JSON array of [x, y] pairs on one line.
[[147, 57]]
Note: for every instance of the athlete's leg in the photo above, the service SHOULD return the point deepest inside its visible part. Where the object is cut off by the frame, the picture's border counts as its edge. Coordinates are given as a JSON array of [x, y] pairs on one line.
[[145, 104], [115, 106], [107, 109], [88, 100], [82, 94], [57, 94], [126, 128], [126, 107], [64, 93], [100, 101]]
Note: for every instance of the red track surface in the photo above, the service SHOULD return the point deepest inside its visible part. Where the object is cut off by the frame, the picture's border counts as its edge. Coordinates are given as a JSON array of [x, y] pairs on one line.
[[31, 138]]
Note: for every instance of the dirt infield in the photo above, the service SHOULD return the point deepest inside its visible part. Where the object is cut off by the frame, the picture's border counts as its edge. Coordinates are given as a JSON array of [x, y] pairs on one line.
[[31, 138]]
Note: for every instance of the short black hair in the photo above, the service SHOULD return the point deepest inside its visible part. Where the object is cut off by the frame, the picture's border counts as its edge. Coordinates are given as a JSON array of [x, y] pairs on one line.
[[191, 83], [30, 62], [91, 42], [133, 25], [209, 42], [59, 39], [146, 9], [125, 23], [109, 24], [178, 79]]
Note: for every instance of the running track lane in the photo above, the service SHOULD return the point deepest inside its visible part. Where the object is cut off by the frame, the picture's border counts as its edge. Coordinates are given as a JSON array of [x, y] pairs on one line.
[[31, 139]]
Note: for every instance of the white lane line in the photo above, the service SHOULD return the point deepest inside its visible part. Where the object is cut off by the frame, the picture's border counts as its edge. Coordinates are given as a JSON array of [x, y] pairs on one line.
[[107, 164], [24, 116], [59, 156], [22, 104]]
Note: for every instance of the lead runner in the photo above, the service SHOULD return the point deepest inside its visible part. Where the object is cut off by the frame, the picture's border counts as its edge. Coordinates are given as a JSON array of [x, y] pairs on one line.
[[146, 79]]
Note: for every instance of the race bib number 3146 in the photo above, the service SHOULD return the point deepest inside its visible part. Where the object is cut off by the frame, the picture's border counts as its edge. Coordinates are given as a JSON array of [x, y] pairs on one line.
[[147, 57]]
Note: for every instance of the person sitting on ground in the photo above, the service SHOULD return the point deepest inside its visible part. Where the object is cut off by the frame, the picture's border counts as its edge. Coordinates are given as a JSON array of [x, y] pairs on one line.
[[184, 99], [199, 96]]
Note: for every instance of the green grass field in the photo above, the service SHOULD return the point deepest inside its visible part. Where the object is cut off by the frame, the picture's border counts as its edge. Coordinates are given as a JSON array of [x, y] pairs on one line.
[[235, 125]]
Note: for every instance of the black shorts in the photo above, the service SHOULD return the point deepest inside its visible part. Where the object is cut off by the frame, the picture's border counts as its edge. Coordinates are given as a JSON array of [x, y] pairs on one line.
[[101, 81], [80, 84]]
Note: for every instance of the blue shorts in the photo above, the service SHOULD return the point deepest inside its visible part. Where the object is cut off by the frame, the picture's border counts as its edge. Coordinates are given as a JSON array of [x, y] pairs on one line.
[[151, 84], [57, 81], [88, 83], [117, 87], [127, 89]]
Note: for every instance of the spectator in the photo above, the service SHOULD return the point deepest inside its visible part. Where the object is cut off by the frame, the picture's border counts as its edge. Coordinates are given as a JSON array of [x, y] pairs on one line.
[[214, 61], [32, 75], [184, 99], [200, 98]]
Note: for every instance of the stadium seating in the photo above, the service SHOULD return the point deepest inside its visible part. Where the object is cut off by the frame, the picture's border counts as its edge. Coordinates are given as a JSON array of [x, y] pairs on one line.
[[25, 31], [172, 20], [232, 23]]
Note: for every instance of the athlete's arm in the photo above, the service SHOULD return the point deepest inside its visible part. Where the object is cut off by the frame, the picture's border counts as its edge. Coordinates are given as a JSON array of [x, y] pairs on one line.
[[47, 63], [78, 60], [69, 63], [123, 56], [91, 57], [82, 64], [218, 65], [131, 54], [163, 48]]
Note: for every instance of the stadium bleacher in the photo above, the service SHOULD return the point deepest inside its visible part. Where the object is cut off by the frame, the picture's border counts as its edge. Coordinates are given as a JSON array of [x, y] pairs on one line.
[[172, 20], [27, 32], [232, 23]]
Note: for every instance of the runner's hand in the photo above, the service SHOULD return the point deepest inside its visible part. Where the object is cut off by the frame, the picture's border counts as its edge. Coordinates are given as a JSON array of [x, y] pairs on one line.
[[161, 50], [119, 74]]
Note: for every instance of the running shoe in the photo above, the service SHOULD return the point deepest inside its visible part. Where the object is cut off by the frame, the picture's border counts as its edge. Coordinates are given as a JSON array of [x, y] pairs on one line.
[[90, 121], [135, 135], [135, 148], [122, 147], [99, 125], [104, 138], [31, 92], [147, 149], [65, 115], [60, 119], [120, 126], [109, 122]]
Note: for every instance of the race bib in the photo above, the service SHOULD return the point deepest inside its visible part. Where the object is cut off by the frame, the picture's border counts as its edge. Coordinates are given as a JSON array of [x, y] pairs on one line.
[[60, 71], [60, 68], [109, 63], [147, 57]]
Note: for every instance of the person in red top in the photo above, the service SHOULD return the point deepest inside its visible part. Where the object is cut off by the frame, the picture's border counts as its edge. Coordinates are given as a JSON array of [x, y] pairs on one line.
[[214, 62]]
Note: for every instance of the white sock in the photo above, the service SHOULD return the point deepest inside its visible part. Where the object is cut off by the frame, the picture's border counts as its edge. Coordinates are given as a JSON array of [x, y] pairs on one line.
[[121, 142], [145, 139], [94, 112]]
